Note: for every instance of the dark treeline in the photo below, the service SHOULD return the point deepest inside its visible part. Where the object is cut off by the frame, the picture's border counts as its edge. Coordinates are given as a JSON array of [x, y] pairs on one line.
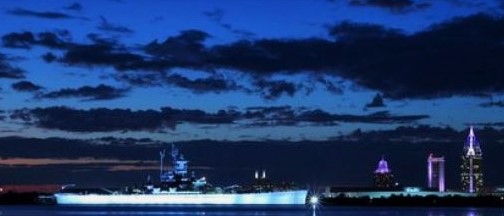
[[14, 198], [448, 201]]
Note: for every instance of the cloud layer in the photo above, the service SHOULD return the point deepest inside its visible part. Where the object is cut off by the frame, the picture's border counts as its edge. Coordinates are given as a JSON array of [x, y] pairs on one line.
[[466, 51], [104, 119]]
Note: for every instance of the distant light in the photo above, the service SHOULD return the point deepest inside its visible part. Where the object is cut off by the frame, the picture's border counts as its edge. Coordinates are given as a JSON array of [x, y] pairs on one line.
[[412, 189], [314, 200]]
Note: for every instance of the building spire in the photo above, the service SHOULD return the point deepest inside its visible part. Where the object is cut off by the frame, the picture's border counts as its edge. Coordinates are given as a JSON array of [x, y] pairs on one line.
[[382, 166], [471, 139], [471, 131]]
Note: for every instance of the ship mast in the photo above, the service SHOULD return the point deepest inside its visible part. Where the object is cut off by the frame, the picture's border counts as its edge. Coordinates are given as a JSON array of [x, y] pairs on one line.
[[161, 155]]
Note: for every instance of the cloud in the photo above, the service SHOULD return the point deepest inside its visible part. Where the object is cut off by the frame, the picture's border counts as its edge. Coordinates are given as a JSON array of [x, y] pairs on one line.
[[396, 6], [216, 15], [491, 124], [275, 88], [106, 26], [202, 85], [285, 115], [76, 6], [49, 57], [100, 92], [101, 54], [96, 120], [26, 86], [187, 48], [467, 51], [26, 40], [376, 102], [39, 14], [493, 104], [377, 117], [105, 120], [8, 71]]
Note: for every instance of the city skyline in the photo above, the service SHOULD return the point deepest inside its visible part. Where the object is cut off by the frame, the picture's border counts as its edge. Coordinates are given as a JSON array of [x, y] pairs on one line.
[[98, 88]]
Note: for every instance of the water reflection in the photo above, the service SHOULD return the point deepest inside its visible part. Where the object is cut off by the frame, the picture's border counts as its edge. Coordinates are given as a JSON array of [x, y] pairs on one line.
[[212, 211]]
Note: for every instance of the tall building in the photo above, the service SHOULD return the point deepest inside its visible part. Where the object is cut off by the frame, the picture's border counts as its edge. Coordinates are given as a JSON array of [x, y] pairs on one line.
[[436, 173], [383, 177], [472, 173]]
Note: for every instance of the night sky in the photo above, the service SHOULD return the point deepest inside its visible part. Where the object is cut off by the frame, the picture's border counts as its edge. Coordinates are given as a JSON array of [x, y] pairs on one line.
[[314, 91]]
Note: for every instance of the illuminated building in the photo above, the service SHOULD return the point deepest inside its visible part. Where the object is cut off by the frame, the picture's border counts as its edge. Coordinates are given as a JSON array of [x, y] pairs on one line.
[[383, 177], [262, 184], [472, 173], [436, 173]]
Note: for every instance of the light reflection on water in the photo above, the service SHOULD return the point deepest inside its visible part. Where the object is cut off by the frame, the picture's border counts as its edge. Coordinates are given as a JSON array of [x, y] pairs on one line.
[[243, 211]]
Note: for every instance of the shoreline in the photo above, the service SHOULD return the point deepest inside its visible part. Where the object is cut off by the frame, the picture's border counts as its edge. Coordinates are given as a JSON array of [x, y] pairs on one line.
[[33, 198], [417, 201]]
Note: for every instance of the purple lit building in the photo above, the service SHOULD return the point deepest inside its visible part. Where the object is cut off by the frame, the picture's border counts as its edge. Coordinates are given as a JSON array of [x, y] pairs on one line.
[[472, 173], [383, 177], [436, 173]]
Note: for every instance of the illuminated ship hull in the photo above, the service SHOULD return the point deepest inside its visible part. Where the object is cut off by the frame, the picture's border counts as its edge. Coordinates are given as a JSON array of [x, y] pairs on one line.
[[294, 197]]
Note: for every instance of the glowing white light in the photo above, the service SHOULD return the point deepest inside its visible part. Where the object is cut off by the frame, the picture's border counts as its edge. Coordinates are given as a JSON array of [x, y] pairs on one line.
[[297, 197], [314, 200]]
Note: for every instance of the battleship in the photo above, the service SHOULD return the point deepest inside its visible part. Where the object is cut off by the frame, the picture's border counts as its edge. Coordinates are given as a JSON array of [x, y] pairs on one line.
[[179, 187]]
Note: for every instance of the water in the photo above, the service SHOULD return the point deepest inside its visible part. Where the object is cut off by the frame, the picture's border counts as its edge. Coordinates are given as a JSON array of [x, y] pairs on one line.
[[242, 211]]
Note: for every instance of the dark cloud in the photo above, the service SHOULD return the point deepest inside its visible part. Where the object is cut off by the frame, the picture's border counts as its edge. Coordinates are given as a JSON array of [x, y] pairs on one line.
[[491, 124], [98, 39], [493, 104], [357, 32], [25, 86], [376, 102], [18, 40], [202, 85], [275, 88], [96, 120], [285, 115], [8, 71], [76, 6], [216, 15], [397, 6], [469, 4], [329, 85], [187, 48], [466, 51], [104, 119], [26, 40], [106, 26], [100, 92], [39, 14], [21, 114], [102, 54], [377, 117], [267, 56], [49, 57]]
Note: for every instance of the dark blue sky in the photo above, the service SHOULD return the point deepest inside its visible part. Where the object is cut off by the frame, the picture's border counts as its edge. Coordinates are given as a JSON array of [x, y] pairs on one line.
[[236, 71]]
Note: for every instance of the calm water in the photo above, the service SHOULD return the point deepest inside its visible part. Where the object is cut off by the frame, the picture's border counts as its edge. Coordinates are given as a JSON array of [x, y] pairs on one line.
[[255, 211]]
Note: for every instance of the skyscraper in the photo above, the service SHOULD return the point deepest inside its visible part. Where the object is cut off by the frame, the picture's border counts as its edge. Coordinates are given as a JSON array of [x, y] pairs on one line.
[[472, 173], [383, 177], [436, 173]]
